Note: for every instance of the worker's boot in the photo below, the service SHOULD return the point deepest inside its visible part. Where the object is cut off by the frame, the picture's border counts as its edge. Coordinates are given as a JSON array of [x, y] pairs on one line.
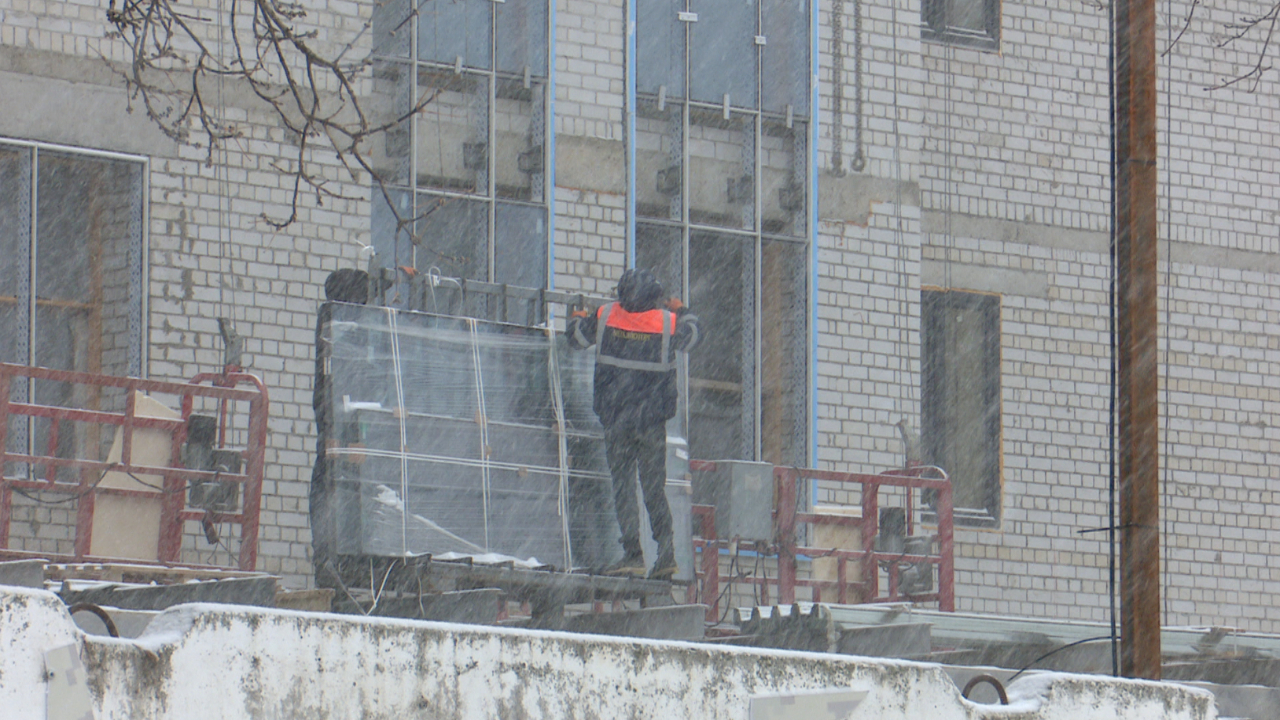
[[665, 568], [631, 565]]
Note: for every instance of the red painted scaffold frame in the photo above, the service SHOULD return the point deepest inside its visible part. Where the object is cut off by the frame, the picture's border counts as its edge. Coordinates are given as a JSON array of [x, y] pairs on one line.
[[787, 518], [220, 387]]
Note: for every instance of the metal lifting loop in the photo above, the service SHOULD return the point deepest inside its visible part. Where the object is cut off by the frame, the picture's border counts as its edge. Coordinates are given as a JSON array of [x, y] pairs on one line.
[[988, 679], [102, 615]]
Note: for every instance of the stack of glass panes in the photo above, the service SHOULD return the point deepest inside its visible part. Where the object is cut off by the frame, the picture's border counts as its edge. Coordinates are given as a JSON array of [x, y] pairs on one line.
[[454, 435]]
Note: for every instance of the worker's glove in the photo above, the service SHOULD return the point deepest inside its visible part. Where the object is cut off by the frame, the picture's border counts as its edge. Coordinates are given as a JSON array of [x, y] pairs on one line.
[[674, 304], [578, 313]]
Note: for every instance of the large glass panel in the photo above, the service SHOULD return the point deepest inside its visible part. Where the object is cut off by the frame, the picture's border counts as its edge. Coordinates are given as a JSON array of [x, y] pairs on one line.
[[660, 40], [453, 29], [659, 161], [88, 229], [15, 243], [88, 261], [392, 28], [521, 36], [392, 231], [518, 160], [520, 241], [659, 248], [453, 132], [784, 165], [393, 103], [15, 277], [722, 169], [784, 322], [966, 15], [722, 370], [784, 59], [453, 236], [722, 52]]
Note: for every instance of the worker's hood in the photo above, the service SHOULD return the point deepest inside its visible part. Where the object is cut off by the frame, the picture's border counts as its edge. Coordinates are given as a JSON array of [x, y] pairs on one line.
[[639, 291]]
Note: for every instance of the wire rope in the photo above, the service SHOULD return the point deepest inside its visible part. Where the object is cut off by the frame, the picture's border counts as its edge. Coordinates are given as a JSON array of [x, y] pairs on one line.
[[401, 416]]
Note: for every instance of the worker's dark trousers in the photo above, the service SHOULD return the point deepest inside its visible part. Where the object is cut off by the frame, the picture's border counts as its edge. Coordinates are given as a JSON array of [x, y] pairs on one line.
[[644, 448]]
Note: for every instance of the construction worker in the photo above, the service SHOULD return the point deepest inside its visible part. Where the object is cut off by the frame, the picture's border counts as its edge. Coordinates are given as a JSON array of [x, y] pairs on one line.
[[635, 395]]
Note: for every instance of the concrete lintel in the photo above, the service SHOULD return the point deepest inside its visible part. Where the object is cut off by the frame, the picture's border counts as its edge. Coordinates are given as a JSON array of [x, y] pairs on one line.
[[984, 278], [1034, 234], [590, 164], [852, 197], [82, 114]]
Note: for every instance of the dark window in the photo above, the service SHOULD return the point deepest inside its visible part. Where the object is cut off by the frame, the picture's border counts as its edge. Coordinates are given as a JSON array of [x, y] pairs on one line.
[[960, 398], [975, 23]]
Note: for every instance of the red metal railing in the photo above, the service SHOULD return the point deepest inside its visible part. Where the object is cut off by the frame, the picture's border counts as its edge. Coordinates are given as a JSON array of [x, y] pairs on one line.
[[223, 388], [787, 519]]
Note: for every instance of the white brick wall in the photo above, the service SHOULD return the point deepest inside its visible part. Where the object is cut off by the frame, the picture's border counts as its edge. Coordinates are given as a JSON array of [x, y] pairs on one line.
[[998, 169]]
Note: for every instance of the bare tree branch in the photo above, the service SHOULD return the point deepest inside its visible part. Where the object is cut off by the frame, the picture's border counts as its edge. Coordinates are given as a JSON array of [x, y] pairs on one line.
[[180, 63]]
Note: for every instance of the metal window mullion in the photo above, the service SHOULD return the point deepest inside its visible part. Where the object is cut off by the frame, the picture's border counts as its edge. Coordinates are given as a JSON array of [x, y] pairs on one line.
[[33, 243], [413, 148], [33, 262], [757, 393], [629, 129], [144, 305], [686, 163], [549, 145], [491, 140]]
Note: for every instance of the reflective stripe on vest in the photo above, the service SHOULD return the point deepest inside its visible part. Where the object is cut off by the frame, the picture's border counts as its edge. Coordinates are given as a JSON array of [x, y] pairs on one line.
[[602, 321]]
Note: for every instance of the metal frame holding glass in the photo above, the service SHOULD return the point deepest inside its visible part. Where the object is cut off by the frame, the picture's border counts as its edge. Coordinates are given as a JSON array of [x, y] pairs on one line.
[[466, 180], [720, 189]]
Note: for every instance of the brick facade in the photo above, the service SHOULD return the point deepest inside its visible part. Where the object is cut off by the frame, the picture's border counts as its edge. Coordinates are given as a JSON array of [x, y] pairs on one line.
[[983, 171]]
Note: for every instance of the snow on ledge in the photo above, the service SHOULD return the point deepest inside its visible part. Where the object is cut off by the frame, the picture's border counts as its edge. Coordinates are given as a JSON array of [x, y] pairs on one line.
[[221, 661]]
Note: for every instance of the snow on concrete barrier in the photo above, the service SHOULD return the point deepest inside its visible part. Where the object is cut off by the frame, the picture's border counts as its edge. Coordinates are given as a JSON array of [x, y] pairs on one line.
[[236, 662]]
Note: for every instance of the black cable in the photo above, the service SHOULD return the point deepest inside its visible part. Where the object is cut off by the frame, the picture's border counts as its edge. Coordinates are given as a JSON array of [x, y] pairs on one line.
[[69, 498], [1056, 650]]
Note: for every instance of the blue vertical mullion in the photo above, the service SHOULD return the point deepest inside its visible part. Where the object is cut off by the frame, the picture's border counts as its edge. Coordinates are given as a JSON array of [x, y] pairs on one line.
[[630, 131], [549, 161]]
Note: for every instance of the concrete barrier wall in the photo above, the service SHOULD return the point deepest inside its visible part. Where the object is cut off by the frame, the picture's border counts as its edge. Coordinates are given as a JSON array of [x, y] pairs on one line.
[[234, 662]]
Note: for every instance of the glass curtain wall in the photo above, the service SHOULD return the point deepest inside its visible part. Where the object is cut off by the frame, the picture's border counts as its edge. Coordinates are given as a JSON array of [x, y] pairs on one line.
[[463, 184], [71, 289], [721, 191]]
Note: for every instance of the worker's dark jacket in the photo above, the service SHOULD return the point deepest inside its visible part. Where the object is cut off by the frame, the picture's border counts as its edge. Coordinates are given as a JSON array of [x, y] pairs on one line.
[[635, 382]]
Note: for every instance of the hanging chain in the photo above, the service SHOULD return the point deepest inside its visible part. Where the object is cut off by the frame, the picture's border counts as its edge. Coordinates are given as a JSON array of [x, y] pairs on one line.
[[859, 157]]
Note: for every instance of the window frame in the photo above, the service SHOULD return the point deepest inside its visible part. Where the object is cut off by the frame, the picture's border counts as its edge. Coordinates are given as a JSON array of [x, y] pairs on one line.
[[680, 122], [403, 53], [933, 346], [140, 361], [935, 28]]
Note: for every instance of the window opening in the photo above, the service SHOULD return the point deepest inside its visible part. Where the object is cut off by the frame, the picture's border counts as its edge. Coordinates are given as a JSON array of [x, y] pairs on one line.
[[960, 398], [71, 288], [975, 23]]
